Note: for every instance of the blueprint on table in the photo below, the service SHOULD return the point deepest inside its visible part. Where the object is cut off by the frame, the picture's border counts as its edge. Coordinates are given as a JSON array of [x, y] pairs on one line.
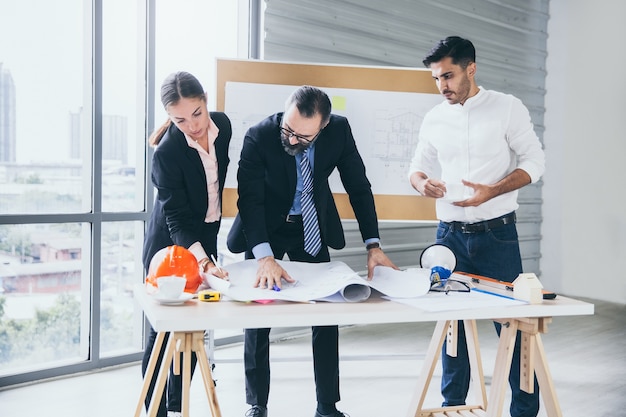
[[329, 281]]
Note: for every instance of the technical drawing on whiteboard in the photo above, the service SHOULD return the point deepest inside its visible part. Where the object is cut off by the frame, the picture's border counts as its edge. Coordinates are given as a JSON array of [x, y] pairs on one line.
[[385, 126]]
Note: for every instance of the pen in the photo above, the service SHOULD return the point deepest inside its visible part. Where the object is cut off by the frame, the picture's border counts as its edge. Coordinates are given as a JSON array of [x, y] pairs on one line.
[[215, 263], [286, 284], [492, 293]]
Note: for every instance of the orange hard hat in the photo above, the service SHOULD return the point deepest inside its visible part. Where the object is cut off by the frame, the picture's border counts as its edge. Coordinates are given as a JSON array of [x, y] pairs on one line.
[[177, 261]]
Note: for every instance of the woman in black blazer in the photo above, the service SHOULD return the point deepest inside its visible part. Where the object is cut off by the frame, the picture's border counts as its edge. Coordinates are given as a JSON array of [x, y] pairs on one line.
[[188, 170]]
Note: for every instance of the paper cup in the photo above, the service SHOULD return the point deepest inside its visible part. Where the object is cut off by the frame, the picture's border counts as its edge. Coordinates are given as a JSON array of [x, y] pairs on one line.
[[455, 192]]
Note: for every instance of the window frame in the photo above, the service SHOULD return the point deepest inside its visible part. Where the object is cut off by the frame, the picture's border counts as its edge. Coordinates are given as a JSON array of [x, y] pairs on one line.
[[96, 217]]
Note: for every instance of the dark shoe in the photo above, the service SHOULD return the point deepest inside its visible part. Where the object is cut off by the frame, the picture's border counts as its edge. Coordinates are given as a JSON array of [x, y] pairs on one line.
[[335, 414], [256, 411]]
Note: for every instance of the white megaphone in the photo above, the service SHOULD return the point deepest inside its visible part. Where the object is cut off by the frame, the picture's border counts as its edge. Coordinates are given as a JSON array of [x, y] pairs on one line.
[[440, 260]]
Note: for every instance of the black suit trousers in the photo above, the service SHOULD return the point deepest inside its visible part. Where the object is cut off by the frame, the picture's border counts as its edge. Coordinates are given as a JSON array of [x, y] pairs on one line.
[[325, 342]]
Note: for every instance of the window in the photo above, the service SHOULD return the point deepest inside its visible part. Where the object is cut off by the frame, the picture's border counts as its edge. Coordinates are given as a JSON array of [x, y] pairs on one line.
[[43, 302], [74, 118], [42, 89], [192, 41], [121, 323], [45, 264]]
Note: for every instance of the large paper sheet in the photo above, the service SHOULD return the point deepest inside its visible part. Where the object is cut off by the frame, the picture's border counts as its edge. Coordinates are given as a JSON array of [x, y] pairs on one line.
[[439, 301], [330, 281]]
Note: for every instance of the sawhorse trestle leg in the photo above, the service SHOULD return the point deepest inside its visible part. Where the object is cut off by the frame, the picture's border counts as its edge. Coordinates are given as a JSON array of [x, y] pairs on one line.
[[447, 330], [186, 343], [533, 362]]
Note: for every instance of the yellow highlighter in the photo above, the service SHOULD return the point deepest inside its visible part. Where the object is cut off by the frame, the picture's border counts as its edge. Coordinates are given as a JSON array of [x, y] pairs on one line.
[[209, 295]]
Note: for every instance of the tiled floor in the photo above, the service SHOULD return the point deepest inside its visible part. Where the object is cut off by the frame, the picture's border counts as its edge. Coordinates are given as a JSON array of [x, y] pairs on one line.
[[379, 369]]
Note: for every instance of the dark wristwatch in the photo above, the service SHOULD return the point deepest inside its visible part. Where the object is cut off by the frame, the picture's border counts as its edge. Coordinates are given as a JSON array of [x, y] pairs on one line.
[[373, 245]]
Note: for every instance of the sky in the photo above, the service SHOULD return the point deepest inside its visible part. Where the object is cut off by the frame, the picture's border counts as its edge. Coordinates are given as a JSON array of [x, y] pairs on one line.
[[42, 44], [44, 74]]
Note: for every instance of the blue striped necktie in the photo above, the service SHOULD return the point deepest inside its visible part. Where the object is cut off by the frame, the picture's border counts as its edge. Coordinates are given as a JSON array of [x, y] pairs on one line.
[[312, 239]]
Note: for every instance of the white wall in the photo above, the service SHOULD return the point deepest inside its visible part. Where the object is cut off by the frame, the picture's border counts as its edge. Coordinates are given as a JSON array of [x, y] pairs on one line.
[[584, 228]]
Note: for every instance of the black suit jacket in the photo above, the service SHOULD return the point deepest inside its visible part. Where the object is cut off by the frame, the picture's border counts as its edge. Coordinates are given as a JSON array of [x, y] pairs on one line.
[[182, 201], [267, 184]]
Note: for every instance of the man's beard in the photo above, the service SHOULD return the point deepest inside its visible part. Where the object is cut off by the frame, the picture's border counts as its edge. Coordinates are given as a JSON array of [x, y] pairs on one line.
[[293, 150]]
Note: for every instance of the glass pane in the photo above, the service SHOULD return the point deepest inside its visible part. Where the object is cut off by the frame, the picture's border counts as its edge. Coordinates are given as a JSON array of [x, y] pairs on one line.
[[209, 32], [44, 295], [120, 318], [45, 135], [123, 106]]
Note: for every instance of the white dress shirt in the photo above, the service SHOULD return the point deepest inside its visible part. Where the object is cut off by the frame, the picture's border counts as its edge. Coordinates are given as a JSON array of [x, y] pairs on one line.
[[481, 141]]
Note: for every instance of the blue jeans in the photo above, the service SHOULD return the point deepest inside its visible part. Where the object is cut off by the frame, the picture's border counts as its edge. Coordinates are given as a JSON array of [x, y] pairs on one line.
[[495, 254]]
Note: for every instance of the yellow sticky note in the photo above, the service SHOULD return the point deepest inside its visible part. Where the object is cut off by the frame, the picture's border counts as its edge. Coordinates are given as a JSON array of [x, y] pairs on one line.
[[338, 102]]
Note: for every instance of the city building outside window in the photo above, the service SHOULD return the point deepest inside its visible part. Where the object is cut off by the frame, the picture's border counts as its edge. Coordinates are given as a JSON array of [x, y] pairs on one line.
[[74, 162]]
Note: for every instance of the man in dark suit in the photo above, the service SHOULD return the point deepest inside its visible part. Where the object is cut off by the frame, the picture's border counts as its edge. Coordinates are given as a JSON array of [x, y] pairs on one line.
[[286, 159]]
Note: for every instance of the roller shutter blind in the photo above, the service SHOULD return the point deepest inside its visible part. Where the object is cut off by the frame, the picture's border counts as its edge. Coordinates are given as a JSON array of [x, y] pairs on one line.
[[510, 39]]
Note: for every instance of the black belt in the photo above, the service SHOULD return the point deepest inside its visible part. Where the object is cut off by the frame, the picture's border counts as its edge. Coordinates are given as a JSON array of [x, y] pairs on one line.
[[483, 226], [293, 218]]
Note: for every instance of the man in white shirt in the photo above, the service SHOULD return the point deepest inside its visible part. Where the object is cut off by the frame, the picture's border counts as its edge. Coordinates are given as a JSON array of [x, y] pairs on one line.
[[475, 150]]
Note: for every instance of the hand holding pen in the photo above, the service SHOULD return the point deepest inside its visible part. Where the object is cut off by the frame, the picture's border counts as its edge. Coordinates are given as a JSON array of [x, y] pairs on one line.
[[270, 274], [217, 270], [286, 285]]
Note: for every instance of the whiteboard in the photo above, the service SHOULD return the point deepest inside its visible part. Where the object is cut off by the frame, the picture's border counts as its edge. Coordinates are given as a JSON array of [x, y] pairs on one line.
[[385, 106], [385, 126]]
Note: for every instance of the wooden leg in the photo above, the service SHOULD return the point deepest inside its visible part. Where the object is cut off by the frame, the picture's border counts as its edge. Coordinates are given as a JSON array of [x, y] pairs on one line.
[[158, 342], [527, 362], [447, 330], [205, 369], [159, 387], [533, 362], [184, 343], [548, 393], [451, 338], [502, 367], [428, 367], [178, 337], [186, 348], [476, 364]]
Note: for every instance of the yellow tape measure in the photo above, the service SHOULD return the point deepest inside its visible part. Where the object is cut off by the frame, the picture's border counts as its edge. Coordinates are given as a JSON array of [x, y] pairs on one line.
[[209, 295]]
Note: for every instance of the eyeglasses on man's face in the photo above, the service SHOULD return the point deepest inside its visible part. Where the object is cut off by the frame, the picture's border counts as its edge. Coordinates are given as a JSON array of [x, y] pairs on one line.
[[287, 134]]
